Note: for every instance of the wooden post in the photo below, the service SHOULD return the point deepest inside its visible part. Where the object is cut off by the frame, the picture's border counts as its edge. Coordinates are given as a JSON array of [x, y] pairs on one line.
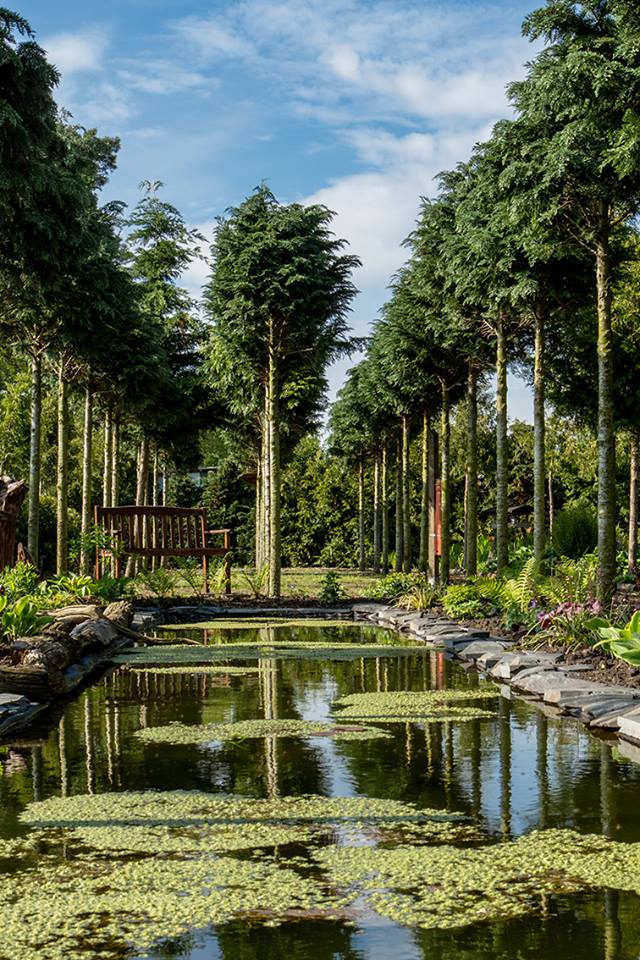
[[227, 562]]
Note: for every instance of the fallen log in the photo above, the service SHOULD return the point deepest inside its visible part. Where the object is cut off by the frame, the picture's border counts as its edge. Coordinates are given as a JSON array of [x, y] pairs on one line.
[[156, 641]]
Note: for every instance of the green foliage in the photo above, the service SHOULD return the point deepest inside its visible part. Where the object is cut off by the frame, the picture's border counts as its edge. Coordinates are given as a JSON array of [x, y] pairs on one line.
[[160, 582], [573, 581], [19, 581], [394, 585], [21, 619], [575, 531], [76, 585], [483, 597], [331, 590], [622, 642], [421, 596], [109, 588], [256, 580]]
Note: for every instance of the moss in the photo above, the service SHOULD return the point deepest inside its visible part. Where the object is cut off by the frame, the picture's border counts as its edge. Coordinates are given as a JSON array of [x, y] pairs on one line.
[[249, 729]]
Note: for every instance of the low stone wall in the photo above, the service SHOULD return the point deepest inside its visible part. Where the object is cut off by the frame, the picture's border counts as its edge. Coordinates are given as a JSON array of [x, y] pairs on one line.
[[532, 675], [34, 671]]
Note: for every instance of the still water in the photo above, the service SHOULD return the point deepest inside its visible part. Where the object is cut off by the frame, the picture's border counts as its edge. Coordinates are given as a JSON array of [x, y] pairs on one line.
[[513, 773]]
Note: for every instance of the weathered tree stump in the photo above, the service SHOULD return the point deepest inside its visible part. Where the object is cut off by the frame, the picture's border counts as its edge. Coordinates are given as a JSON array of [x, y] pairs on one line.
[[12, 494]]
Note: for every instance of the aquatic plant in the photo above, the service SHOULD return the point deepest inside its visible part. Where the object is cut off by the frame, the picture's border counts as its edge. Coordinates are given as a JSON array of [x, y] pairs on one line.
[[281, 650], [196, 669], [429, 706], [250, 729]]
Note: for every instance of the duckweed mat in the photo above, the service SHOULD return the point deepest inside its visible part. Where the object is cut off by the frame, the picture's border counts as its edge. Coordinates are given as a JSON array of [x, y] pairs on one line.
[[266, 622], [141, 867], [180, 733], [195, 669], [408, 706], [279, 650]]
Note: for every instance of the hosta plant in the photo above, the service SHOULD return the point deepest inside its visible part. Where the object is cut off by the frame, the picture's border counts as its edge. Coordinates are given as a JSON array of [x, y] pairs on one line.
[[622, 642], [21, 619]]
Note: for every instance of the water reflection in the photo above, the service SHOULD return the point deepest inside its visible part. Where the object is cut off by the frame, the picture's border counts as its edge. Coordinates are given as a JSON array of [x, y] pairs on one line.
[[519, 771]]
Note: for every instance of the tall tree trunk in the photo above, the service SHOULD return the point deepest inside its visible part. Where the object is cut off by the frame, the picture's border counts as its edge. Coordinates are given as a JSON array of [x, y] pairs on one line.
[[35, 458], [114, 458], [606, 433], [502, 453], [106, 473], [445, 486], [552, 506], [62, 484], [259, 507], [87, 474], [471, 487], [384, 508], [398, 505], [376, 512], [406, 504], [362, 560], [142, 490], [274, 472], [154, 502], [633, 505], [266, 484], [539, 453], [423, 562]]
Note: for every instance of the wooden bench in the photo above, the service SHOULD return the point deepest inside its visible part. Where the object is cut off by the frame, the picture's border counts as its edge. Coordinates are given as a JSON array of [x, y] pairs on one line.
[[160, 532]]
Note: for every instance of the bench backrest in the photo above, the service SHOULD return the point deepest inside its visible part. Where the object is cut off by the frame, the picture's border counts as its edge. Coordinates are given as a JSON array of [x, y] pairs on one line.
[[168, 528]]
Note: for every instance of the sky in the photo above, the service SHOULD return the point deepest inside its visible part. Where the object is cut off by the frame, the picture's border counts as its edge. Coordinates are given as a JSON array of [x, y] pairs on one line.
[[356, 104]]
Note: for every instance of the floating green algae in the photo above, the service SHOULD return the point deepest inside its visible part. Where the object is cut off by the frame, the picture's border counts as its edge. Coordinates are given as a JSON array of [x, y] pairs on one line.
[[196, 668], [266, 622], [284, 650], [447, 887], [248, 729], [142, 867], [406, 706]]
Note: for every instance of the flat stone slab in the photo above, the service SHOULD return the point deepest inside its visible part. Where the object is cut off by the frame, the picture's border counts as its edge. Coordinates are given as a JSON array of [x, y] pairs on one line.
[[630, 728], [613, 719], [12, 700], [542, 682], [478, 648]]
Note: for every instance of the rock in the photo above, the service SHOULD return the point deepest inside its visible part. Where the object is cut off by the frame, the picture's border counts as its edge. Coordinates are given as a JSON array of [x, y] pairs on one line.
[[13, 700], [542, 682], [477, 648], [630, 729], [99, 633], [50, 654], [121, 612], [613, 719], [85, 611]]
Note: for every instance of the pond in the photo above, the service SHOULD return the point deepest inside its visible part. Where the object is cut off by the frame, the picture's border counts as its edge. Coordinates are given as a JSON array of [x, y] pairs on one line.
[[408, 810]]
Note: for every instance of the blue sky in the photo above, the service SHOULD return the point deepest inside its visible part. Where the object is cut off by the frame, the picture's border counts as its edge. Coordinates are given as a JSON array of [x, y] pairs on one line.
[[351, 103]]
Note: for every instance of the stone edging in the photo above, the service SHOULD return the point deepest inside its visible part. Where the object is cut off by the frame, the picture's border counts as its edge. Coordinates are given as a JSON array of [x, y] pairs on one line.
[[534, 676]]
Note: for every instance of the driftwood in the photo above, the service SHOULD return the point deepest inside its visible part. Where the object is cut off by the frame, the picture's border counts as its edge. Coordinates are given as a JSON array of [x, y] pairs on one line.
[[157, 641], [12, 494]]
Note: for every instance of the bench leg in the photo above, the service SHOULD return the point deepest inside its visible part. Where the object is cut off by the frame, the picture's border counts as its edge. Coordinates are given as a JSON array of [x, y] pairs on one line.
[[227, 574], [205, 574]]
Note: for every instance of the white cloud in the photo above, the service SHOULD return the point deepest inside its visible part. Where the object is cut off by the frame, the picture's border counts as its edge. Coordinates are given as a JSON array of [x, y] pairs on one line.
[[77, 52], [212, 37], [160, 76]]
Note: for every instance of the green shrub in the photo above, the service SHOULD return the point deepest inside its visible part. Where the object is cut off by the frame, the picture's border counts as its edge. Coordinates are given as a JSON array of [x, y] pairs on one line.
[[394, 585], [421, 596], [21, 619], [19, 581], [331, 591], [575, 531], [160, 582], [484, 597]]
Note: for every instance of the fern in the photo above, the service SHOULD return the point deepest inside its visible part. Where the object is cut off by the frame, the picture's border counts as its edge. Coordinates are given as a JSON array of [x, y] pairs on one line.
[[524, 589]]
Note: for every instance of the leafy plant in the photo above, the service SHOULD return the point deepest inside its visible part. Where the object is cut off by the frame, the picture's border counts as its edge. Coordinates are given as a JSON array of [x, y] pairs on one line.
[[522, 592], [257, 580], [483, 597], [159, 582], [109, 588], [394, 585], [76, 585], [575, 531], [622, 642], [331, 590], [573, 581], [19, 581], [22, 618], [570, 624], [190, 570], [421, 596]]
